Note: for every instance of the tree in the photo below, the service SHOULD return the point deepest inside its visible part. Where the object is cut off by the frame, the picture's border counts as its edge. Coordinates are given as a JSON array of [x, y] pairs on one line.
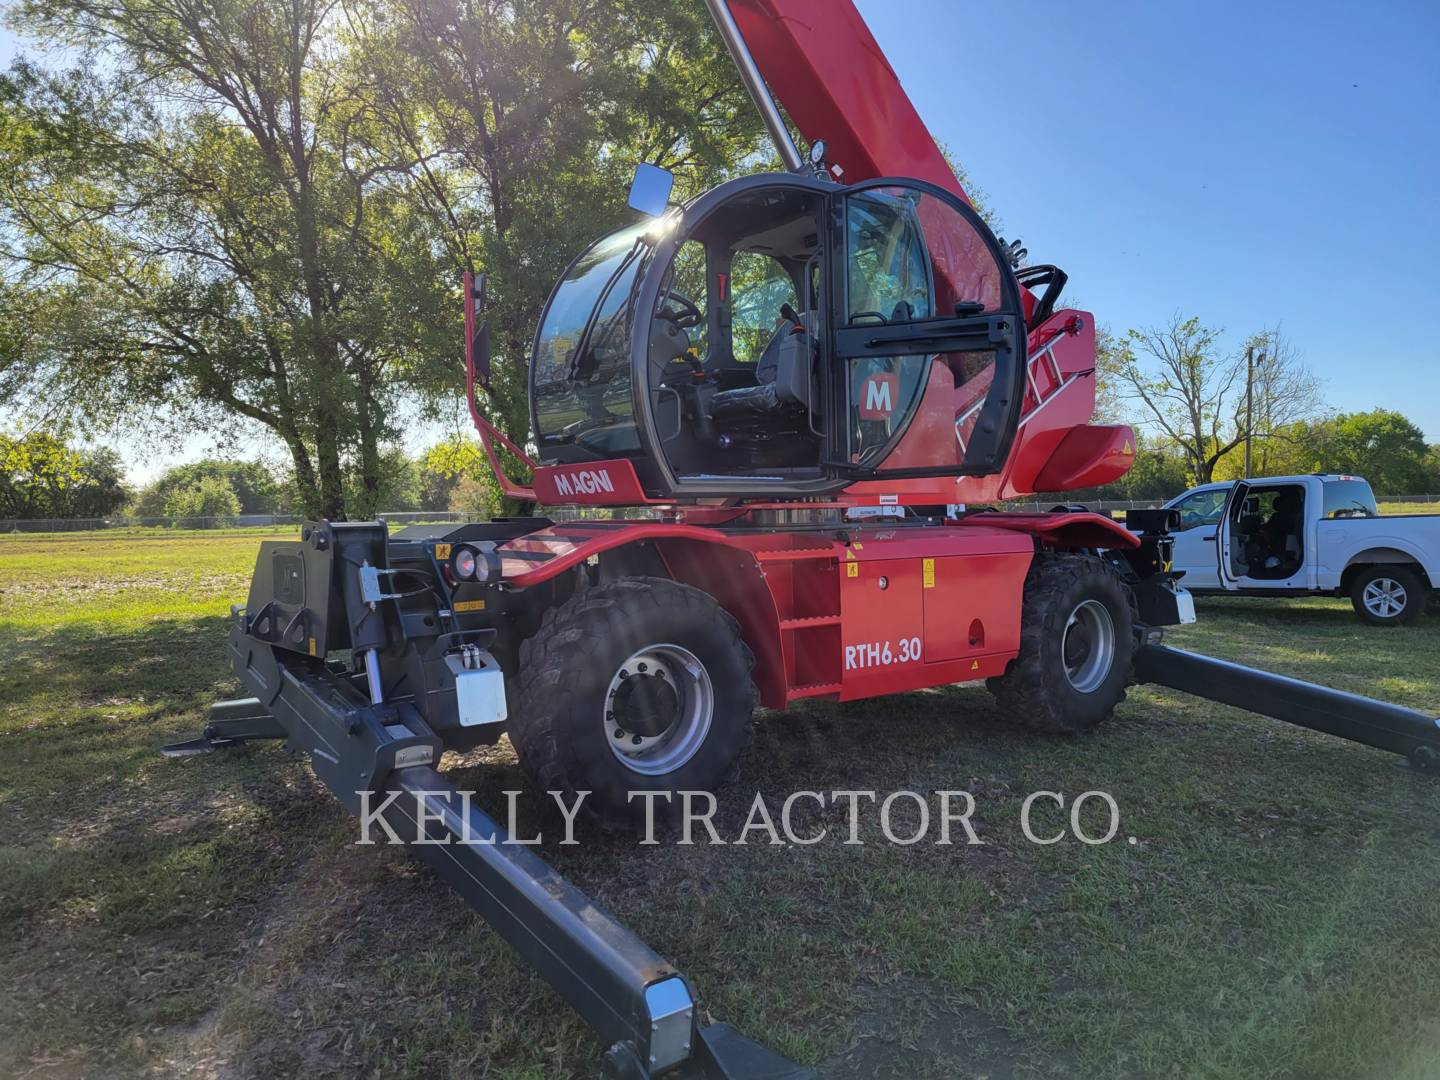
[[1381, 445], [41, 477], [207, 497], [458, 471], [188, 232], [254, 485], [527, 125], [1285, 393], [261, 208], [1196, 394], [1177, 374]]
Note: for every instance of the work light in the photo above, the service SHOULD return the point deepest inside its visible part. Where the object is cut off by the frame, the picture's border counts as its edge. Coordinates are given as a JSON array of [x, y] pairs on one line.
[[464, 563]]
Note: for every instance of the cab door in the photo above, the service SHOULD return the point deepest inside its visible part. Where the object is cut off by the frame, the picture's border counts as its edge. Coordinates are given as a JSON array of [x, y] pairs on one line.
[[1230, 555], [926, 366]]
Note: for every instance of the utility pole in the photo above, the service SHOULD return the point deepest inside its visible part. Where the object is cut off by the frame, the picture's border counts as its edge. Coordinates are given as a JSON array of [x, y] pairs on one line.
[[1251, 363]]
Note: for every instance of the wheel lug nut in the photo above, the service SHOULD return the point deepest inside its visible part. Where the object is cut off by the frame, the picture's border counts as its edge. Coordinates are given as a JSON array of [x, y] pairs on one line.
[[637, 740], [619, 733], [642, 666]]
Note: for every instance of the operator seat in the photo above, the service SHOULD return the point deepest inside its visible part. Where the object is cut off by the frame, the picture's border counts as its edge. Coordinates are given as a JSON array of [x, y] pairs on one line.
[[782, 379]]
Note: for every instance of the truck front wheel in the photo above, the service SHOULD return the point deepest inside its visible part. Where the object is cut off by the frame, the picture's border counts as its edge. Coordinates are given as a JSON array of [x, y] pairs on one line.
[[1388, 595], [641, 684], [1076, 643]]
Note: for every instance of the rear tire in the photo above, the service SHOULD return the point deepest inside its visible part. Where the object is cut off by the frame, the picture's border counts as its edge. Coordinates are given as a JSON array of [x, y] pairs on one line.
[[1076, 645], [641, 684], [1388, 596]]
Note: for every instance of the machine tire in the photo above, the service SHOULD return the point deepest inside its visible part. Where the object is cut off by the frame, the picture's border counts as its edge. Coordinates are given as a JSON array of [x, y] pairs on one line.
[[560, 725], [1416, 595], [1039, 688]]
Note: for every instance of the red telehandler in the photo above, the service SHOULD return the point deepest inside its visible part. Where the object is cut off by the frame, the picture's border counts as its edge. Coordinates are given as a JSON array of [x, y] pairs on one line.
[[808, 380]]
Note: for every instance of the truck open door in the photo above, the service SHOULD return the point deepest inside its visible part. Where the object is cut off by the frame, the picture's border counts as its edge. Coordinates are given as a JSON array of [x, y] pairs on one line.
[[1228, 550]]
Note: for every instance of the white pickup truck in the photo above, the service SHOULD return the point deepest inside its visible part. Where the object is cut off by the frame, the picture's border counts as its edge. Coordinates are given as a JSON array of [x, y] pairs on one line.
[[1301, 535]]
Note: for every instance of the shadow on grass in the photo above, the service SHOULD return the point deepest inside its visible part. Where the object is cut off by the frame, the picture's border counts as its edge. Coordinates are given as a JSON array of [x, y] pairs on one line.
[[213, 914]]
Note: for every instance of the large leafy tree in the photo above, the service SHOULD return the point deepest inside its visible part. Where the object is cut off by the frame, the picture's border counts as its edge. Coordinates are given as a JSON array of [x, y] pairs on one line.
[[1381, 445], [1202, 399], [186, 232], [259, 208], [526, 120], [43, 477]]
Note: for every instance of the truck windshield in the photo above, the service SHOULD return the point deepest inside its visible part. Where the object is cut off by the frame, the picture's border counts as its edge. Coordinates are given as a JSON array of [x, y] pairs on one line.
[[1349, 497], [580, 374]]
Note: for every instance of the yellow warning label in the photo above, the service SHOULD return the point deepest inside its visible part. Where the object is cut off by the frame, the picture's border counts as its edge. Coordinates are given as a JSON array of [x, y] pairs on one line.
[[463, 606], [1128, 451], [849, 555], [927, 569], [859, 547], [852, 569], [442, 551], [312, 646], [974, 665]]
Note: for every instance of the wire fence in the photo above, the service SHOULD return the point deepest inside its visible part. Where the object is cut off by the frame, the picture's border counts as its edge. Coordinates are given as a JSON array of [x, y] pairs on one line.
[[448, 517], [230, 521]]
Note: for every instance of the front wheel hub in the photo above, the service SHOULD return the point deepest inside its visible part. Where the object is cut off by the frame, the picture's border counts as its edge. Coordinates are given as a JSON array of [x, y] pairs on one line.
[[1088, 647], [658, 709]]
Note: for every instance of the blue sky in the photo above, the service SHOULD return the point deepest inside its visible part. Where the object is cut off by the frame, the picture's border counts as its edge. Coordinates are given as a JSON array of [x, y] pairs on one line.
[[1250, 163]]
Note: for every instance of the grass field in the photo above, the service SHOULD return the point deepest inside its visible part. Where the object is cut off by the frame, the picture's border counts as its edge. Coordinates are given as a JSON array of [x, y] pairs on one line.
[[1278, 914]]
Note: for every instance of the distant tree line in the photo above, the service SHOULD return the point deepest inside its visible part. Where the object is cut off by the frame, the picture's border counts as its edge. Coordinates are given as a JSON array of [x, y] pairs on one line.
[[41, 477], [1196, 404]]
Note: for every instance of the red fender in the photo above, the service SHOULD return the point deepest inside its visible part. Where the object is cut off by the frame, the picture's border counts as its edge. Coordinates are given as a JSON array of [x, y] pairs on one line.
[[732, 576]]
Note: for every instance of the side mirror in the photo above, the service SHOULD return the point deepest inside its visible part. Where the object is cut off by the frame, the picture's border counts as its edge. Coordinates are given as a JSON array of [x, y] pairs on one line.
[[477, 334], [650, 190]]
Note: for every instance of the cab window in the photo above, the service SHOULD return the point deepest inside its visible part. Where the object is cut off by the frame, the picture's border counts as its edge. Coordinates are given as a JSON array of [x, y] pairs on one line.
[[1349, 498], [687, 282], [889, 279], [759, 288]]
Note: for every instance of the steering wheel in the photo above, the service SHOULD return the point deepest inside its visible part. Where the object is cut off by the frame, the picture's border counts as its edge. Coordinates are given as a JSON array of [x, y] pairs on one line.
[[688, 315]]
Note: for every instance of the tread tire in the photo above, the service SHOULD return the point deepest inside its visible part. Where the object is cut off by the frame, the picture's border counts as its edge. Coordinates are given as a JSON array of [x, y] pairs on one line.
[[1035, 689], [1417, 595], [566, 666]]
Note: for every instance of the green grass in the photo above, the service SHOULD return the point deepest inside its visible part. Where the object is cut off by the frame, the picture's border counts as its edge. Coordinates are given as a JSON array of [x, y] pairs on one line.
[[1277, 915]]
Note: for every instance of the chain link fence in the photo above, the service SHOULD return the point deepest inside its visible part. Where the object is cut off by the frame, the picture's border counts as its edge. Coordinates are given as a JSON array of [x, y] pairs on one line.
[[233, 521], [446, 517]]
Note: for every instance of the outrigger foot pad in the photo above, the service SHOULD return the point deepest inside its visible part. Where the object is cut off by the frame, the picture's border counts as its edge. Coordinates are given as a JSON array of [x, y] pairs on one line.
[[231, 723], [723, 1054]]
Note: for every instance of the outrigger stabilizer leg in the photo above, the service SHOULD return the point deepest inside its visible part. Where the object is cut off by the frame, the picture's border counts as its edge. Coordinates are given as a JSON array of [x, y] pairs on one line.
[[379, 758], [1408, 732]]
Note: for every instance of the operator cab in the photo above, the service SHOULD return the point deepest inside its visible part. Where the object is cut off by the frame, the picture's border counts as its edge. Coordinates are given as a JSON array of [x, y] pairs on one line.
[[784, 335]]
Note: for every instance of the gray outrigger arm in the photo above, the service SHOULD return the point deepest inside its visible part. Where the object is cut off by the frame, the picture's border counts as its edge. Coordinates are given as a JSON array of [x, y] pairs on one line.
[[1412, 734], [639, 1005]]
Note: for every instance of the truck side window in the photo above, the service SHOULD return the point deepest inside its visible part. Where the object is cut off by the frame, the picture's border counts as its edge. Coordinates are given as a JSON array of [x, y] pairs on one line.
[[1202, 508]]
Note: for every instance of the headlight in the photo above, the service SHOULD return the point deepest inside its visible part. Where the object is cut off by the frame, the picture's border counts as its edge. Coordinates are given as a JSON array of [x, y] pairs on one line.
[[469, 563], [464, 562]]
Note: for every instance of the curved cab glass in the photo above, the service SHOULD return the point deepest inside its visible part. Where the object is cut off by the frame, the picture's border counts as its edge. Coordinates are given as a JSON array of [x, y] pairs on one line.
[[580, 383]]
